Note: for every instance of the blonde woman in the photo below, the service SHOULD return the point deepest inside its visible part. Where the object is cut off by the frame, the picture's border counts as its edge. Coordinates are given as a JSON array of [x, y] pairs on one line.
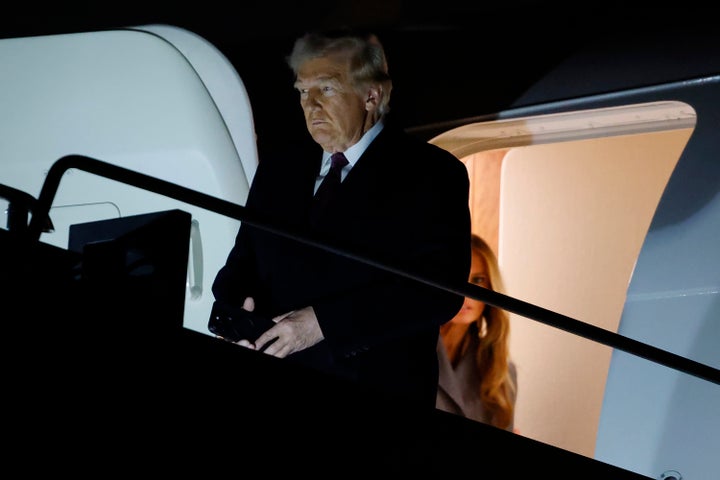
[[477, 378]]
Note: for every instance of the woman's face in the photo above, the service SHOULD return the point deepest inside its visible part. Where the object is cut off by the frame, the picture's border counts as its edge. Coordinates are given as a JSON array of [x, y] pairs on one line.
[[473, 309]]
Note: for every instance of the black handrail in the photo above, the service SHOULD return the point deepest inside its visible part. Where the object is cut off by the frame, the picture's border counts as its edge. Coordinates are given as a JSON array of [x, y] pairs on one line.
[[238, 212], [19, 208]]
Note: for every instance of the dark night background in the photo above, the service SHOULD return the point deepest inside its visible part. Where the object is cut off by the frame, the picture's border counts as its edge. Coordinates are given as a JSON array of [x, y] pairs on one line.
[[450, 59]]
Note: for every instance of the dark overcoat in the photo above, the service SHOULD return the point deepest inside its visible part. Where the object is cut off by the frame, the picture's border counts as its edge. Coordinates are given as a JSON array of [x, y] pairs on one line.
[[405, 205]]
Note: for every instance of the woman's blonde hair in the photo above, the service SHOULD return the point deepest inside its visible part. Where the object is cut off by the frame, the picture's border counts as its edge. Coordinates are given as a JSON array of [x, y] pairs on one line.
[[497, 386]]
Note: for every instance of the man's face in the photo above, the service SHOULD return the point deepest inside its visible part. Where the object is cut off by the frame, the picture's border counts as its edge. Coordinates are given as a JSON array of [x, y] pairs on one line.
[[335, 114]]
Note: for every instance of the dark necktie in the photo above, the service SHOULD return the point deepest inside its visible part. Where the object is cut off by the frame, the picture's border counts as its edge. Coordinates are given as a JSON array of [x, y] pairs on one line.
[[329, 186]]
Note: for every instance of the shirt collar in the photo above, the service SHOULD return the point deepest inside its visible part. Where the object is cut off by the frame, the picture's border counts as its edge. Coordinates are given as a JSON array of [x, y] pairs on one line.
[[354, 153]]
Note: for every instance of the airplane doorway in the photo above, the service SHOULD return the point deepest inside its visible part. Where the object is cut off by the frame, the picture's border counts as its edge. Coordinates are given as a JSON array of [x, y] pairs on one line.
[[566, 201]]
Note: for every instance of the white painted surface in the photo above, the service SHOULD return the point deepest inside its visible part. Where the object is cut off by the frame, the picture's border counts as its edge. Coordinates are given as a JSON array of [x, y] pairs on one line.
[[130, 98]]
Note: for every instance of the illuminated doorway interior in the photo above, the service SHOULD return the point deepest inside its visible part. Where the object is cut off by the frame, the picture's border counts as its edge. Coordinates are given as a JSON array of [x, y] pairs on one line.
[[566, 201]]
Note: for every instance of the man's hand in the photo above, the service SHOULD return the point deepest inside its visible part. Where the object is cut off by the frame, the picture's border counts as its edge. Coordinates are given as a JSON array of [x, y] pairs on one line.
[[295, 331]]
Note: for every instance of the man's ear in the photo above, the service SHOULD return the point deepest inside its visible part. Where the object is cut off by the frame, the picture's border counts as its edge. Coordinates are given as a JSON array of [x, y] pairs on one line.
[[372, 98]]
